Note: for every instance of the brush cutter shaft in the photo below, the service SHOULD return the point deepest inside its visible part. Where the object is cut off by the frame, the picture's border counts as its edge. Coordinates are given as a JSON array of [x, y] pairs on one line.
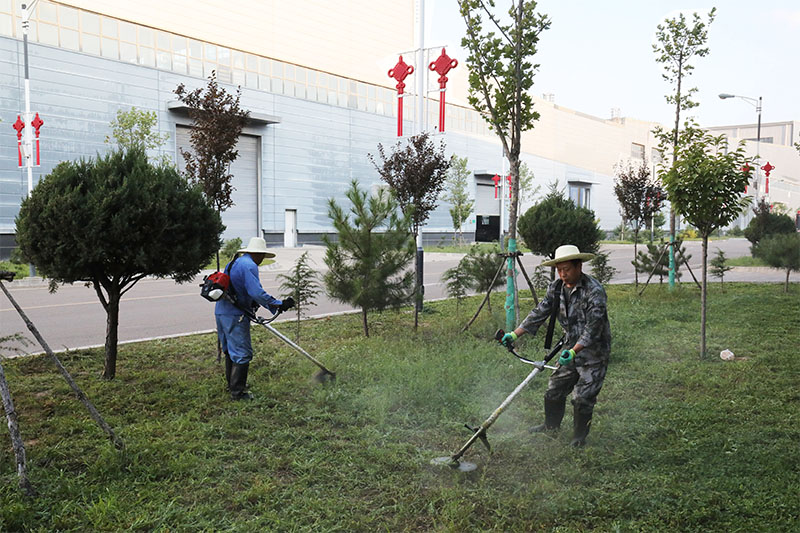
[[489, 421], [285, 339], [494, 416]]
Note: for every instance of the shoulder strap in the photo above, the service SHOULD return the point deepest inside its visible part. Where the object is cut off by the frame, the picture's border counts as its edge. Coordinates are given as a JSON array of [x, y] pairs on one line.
[[548, 340]]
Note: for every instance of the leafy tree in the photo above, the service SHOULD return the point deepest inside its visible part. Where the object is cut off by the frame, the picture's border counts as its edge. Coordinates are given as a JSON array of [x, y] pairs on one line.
[[457, 195], [416, 174], [678, 43], [111, 221], [457, 282], [501, 75], [601, 270], [136, 127], [368, 269], [217, 121], [706, 186], [481, 263], [781, 251], [764, 223], [719, 266], [639, 196], [556, 220], [527, 190], [302, 283]]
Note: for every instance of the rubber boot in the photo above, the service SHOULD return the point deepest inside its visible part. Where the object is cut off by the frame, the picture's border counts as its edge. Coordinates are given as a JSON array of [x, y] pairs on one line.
[[581, 424], [228, 366], [553, 413], [239, 382]]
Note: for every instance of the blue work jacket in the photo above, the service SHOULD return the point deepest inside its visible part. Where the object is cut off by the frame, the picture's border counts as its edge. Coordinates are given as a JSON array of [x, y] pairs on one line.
[[248, 289]]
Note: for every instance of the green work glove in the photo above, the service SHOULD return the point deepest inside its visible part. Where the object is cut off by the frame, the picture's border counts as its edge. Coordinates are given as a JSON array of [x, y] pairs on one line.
[[566, 357], [508, 339]]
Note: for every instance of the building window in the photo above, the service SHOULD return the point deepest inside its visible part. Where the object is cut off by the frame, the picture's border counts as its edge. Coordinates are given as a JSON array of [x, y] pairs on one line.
[[656, 156], [580, 194], [637, 151]]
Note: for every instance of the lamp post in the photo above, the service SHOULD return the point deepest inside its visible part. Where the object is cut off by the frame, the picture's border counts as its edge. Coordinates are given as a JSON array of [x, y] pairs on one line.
[[27, 9], [757, 103]]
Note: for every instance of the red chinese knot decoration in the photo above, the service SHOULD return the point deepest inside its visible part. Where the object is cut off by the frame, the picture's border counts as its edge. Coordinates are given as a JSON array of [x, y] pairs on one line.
[[767, 169], [37, 123], [442, 66], [19, 126], [399, 73]]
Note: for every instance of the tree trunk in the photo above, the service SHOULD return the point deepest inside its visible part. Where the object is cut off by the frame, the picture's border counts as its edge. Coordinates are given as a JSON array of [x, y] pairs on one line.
[[635, 255], [112, 334], [786, 285], [674, 160], [364, 321], [704, 294], [16, 438]]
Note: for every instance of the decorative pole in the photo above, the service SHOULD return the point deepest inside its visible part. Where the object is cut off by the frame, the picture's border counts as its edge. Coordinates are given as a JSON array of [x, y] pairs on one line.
[[442, 66], [399, 73]]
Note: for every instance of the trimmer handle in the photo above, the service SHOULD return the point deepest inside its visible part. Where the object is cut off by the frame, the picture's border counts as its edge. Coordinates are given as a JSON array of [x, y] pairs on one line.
[[498, 336]]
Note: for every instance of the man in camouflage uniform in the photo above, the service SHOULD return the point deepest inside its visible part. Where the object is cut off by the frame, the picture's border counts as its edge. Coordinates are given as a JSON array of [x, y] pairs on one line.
[[584, 319]]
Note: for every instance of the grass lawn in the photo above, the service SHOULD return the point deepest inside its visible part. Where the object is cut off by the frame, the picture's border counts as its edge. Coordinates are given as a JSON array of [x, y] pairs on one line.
[[678, 444]]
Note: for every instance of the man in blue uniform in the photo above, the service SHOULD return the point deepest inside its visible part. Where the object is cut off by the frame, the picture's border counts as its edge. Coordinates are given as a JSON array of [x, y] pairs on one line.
[[583, 317], [233, 327]]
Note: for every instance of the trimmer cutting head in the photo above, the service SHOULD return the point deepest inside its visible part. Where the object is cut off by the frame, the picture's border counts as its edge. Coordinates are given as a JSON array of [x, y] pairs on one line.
[[455, 464], [322, 377]]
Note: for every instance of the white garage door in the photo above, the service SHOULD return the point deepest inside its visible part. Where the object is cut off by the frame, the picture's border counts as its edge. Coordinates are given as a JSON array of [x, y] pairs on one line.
[[241, 219]]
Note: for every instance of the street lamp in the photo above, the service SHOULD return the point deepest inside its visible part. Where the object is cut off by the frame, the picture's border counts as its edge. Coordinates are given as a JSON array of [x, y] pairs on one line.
[[757, 104]]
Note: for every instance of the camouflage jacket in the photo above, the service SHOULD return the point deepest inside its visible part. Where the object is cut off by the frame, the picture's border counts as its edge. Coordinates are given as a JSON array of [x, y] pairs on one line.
[[583, 317]]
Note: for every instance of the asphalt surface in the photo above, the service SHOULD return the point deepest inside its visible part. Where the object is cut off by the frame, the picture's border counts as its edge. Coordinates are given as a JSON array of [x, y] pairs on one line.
[[73, 317]]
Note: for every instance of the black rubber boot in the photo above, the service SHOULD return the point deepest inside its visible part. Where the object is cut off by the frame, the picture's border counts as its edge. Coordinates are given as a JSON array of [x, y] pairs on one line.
[[239, 382], [581, 424], [228, 366], [553, 413]]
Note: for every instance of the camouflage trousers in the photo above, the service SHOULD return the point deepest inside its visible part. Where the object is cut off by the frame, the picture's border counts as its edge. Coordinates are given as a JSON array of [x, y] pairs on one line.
[[583, 381]]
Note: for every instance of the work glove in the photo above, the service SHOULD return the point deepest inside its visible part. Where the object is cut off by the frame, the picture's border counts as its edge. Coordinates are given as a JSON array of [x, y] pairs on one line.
[[508, 339], [567, 356], [287, 304]]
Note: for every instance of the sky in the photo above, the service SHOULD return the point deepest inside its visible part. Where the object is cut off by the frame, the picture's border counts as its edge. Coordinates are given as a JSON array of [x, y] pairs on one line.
[[598, 55]]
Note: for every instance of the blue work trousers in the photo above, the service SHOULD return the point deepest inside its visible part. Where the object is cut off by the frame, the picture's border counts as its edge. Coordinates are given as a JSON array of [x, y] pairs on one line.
[[234, 336]]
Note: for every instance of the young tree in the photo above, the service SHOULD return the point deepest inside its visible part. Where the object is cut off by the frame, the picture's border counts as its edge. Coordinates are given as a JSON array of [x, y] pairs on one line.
[[706, 186], [416, 174], [639, 196], [719, 266], [679, 43], [527, 190], [217, 121], [556, 220], [136, 127], [655, 261], [781, 251], [481, 264], [110, 222], [302, 283], [368, 269], [457, 195], [457, 282], [601, 270], [500, 78]]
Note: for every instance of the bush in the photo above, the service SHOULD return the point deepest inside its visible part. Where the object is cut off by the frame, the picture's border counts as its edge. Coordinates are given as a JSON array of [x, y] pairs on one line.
[[766, 223]]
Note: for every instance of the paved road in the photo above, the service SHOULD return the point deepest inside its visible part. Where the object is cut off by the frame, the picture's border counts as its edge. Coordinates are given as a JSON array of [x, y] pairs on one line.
[[73, 317]]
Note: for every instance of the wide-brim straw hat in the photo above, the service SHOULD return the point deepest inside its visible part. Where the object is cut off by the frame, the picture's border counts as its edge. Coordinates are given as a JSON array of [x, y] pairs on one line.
[[257, 245], [568, 252]]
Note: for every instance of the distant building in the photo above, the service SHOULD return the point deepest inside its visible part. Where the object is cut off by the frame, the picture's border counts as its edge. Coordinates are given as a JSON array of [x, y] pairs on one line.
[[314, 76]]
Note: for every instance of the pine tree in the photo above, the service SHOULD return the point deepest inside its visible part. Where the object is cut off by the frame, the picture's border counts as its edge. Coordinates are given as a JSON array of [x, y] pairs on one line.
[[367, 268], [457, 282], [719, 265], [302, 283]]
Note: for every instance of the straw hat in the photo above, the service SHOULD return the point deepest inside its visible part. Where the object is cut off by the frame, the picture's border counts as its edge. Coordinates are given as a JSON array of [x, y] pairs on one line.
[[568, 252], [257, 245]]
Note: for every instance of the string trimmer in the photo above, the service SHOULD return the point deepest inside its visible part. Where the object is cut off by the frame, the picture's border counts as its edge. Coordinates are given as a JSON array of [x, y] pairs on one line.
[[454, 461], [323, 374]]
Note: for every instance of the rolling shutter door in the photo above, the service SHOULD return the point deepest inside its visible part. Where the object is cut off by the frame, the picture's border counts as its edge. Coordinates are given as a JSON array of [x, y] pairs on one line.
[[241, 219]]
